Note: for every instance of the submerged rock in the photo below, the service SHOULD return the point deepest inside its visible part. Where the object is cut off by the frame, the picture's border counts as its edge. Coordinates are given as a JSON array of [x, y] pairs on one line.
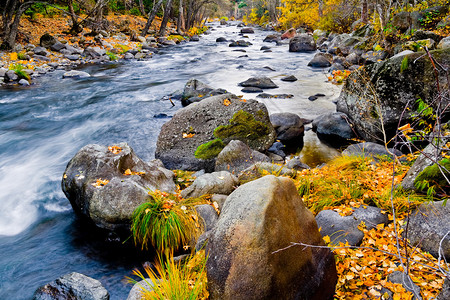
[[258, 219], [73, 286], [262, 82]]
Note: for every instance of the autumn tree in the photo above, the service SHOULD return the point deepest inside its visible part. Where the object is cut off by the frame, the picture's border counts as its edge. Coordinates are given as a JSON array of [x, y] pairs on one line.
[[12, 11]]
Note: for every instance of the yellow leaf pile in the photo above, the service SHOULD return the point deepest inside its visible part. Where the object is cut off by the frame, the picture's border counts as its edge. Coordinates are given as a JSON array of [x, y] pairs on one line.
[[349, 182], [362, 272]]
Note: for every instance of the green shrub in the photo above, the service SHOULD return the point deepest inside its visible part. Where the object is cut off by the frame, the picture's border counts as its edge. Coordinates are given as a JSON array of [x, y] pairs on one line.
[[20, 71], [111, 56], [176, 280], [167, 222]]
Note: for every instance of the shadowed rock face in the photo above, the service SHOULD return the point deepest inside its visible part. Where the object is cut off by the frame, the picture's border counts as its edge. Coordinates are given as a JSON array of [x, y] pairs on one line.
[[110, 203], [258, 218], [384, 90]]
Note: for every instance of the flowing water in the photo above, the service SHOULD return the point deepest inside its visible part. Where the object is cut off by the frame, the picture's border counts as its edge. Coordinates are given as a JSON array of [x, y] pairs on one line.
[[44, 125]]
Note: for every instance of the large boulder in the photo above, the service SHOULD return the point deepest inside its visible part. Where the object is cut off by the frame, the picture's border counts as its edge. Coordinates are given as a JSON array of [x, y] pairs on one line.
[[74, 286], [211, 183], [261, 169], [258, 219], [428, 225], [237, 156], [211, 124], [402, 21], [302, 43], [337, 42], [392, 88], [106, 184]]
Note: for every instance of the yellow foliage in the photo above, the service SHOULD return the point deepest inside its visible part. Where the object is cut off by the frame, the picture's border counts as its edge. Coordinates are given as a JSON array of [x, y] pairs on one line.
[[295, 13]]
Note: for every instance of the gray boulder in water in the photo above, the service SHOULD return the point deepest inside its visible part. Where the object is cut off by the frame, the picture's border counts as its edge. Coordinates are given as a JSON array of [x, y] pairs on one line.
[[225, 117], [73, 286], [302, 43], [106, 184]]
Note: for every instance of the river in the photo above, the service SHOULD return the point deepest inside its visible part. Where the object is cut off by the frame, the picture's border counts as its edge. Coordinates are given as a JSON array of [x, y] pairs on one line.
[[44, 125]]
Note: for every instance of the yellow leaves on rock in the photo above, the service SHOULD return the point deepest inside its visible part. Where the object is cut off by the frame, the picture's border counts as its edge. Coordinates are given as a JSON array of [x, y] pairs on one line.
[[13, 56], [226, 102], [188, 135], [115, 149], [128, 172], [100, 182]]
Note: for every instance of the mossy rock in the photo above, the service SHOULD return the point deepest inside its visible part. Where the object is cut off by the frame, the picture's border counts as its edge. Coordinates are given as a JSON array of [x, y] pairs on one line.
[[432, 177], [210, 149], [244, 127]]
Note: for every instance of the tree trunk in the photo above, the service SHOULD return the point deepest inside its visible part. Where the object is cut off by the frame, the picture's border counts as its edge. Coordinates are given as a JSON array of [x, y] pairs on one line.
[[141, 7], [180, 17], [151, 17], [364, 12], [76, 28], [11, 21], [162, 29]]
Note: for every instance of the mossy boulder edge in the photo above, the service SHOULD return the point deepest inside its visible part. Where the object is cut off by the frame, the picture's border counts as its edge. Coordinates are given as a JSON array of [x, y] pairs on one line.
[[177, 149]]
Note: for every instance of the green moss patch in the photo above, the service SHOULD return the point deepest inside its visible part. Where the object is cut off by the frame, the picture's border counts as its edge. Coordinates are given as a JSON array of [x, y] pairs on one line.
[[431, 178], [210, 149], [243, 126]]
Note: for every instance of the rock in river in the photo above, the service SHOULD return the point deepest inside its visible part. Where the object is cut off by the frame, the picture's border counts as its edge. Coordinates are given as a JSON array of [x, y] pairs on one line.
[[105, 184], [196, 134]]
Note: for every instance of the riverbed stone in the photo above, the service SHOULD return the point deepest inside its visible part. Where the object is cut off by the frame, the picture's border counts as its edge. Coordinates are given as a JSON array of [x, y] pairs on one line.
[[247, 30], [302, 43], [392, 90], [136, 292], [47, 40], [444, 43], [221, 40], [289, 78], [370, 149], [74, 286], [11, 75], [251, 89], [225, 117], [40, 51], [260, 169], [237, 156], [76, 74], [345, 228], [289, 128], [102, 188], [240, 43], [24, 82], [222, 182], [261, 82], [333, 127], [428, 225], [242, 261], [320, 60]]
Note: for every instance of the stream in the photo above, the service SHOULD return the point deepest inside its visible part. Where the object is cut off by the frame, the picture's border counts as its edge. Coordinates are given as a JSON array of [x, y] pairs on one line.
[[44, 125]]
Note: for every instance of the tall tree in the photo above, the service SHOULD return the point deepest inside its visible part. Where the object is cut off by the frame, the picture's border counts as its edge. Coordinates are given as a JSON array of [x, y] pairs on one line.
[[151, 17], [162, 29], [180, 17]]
